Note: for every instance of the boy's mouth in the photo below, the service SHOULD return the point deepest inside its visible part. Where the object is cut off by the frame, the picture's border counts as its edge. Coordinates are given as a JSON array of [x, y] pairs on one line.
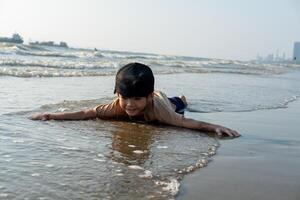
[[131, 110]]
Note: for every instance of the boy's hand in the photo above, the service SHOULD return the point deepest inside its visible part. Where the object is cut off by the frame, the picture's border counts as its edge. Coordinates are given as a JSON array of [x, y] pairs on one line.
[[226, 132], [41, 116], [220, 131]]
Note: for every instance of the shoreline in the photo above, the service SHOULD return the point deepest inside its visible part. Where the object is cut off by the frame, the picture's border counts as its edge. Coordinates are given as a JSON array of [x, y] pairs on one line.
[[262, 164]]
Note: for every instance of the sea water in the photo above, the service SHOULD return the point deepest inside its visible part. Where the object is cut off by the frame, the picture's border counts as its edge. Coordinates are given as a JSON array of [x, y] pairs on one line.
[[97, 159]]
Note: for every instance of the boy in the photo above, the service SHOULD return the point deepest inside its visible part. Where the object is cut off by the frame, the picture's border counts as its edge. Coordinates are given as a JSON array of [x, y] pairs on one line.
[[137, 100]]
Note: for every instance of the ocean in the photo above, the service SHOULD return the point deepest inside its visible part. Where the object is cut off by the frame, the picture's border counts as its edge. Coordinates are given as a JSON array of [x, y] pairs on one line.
[[99, 159]]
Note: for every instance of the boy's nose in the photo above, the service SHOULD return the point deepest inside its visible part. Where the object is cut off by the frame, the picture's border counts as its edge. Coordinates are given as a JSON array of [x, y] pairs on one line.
[[129, 102]]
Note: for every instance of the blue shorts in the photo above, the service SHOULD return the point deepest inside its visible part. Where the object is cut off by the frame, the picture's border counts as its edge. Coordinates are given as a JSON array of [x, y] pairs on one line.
[[180, 105]]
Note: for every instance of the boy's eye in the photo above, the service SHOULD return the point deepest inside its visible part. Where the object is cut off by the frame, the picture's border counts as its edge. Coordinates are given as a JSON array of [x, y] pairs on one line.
[[134, 98]]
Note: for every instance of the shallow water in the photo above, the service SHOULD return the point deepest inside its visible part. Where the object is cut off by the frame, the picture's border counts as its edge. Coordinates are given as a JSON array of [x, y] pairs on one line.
[[109, 159], [96, 159], [99, 159]]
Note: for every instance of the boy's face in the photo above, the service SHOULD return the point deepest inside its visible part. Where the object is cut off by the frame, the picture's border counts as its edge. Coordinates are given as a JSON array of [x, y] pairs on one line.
[[134, 106]]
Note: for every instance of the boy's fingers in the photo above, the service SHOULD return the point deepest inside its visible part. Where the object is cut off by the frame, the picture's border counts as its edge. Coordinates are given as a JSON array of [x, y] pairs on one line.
[[34, 117], [229, 134], [219, 133], [226, 132], [237, 134], [37, 117], [223, 132]]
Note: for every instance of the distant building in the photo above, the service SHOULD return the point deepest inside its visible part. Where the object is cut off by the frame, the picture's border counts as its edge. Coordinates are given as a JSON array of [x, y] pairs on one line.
[[50, 43], [63, 44], [296, 55], [270, 57], [16, 38]]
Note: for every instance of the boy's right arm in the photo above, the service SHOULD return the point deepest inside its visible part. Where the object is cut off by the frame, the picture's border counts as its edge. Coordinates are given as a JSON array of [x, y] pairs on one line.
[[81, 115], [220, 131]]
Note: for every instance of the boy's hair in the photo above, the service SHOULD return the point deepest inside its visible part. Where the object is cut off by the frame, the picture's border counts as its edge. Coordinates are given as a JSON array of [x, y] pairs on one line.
[[134, 80]]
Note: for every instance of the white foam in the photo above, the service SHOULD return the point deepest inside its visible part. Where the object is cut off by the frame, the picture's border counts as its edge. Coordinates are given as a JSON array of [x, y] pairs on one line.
[[138, 151], [99, 160], [35, 174], [172, 187], [69, 148], [61, 139], [162, 147], [135, 167], [3, 195], [62, 109], [147, 174], [18, 141]]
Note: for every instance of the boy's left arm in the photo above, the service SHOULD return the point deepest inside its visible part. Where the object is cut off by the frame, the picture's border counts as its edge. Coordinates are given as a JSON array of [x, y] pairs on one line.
[[221, 131]]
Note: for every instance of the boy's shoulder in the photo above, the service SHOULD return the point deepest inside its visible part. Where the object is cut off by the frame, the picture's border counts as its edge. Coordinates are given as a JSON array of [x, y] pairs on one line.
[[110, 109], [163, 111], [160, 100], [159, 94]]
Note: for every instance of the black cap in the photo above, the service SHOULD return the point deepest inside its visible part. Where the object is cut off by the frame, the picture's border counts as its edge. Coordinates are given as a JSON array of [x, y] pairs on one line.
[[134, 80]]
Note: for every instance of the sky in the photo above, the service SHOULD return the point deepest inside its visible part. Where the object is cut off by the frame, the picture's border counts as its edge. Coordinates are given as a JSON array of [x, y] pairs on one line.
[[226, 29]]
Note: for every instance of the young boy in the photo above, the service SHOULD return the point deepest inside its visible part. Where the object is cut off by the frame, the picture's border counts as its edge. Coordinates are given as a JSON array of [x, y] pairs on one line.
[[137, 100]]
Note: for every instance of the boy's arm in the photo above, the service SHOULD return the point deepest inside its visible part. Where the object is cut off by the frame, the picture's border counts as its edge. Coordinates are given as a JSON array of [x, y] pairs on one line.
[[204, 126], [81, 115]]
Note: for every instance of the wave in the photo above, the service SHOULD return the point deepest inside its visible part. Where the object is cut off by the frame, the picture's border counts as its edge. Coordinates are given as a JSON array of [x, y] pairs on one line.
[[13, 48], [33, 50], [221, 107], [98, 54], [70, 70], [58, 64], [132, 56], [42, 72], [47, 54], [105, 62], [139, 57]]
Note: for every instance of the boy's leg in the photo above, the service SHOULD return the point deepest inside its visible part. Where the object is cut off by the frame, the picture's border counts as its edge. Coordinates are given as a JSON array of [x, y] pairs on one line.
[[180, 103], [183, 98]]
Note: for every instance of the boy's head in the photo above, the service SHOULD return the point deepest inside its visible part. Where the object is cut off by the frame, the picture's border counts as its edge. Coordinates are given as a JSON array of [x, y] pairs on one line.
[[134, 80]]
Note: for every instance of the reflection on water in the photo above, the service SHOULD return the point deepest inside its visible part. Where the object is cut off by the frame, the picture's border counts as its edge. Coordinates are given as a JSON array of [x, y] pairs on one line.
[[133, 146]]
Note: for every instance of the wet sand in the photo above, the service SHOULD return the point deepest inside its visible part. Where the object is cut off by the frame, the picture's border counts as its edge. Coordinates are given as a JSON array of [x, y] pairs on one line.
[[263, 164]]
